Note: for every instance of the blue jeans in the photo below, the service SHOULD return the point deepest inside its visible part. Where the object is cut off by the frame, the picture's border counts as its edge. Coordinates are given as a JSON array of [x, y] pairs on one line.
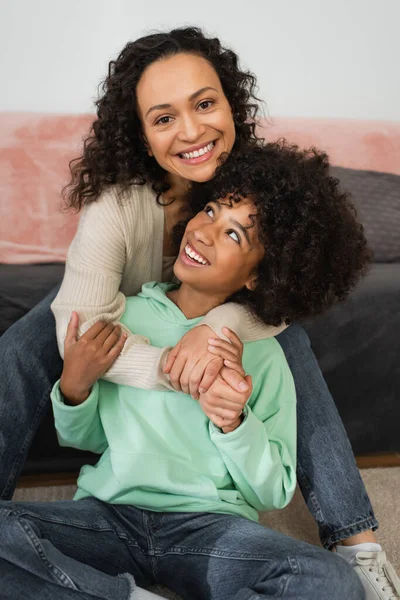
[[327, 473], [89, 549]]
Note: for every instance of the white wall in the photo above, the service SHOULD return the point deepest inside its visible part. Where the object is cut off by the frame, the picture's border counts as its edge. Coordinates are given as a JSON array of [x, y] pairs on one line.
[[312, 57]]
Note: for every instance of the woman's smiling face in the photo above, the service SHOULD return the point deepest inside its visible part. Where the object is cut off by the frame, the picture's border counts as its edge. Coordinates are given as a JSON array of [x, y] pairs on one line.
[[186, 118]]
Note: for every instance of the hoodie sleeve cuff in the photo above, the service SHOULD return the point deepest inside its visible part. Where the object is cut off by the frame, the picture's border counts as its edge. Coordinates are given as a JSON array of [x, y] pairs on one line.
[[87, 406]]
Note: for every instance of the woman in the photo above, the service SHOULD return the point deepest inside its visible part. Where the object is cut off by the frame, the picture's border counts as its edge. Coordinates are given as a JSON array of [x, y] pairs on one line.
[[172, 104]]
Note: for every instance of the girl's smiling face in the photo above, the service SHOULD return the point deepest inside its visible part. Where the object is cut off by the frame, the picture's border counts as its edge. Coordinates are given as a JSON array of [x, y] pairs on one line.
[[186, 118], [220, 249]]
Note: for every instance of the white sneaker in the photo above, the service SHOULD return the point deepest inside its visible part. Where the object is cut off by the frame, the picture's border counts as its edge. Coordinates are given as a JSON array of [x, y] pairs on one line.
[[142, 594], [378, 576]]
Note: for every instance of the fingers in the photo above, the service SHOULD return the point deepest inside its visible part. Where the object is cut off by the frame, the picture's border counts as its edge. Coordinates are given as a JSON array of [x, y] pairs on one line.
[[117, 348], [224, 349], [112, 338], [235, 366], [176, 372], [232, 348], [211, 371], [172, 354], [235, 380], [216, 404], [224, 419], [195, 378], [94, 331], [103, 335], [216, 419], [230, 351], [249, 382], [72, 329], [235, 340], [185, 376]]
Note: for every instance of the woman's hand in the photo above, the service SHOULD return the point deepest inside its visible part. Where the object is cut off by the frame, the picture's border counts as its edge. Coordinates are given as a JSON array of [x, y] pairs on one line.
[[223, 405], [192, 367], [86, 359]]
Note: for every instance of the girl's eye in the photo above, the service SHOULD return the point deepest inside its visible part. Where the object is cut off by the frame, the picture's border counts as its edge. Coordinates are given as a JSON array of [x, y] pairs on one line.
[[232, 234], [205, 104], [209, 211], [163, 121]]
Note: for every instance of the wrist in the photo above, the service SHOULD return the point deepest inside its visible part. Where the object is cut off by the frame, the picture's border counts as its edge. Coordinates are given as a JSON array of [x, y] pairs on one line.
[[233, 425], [73, 397]]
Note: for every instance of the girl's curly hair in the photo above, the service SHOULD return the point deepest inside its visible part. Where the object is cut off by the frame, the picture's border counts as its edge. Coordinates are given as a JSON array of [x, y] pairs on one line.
[[114, 151], [315, 248]]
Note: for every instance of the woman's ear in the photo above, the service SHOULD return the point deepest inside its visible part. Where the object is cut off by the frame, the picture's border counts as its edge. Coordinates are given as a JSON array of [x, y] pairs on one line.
[[146, 145], [251, 284]]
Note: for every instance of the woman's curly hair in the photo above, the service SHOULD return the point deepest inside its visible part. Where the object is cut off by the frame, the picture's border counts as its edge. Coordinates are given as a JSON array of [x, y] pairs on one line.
[[315, 248], [114, 151]]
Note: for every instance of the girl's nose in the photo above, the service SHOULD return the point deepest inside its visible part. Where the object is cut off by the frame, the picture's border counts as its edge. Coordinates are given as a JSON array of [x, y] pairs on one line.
[[204, 235]]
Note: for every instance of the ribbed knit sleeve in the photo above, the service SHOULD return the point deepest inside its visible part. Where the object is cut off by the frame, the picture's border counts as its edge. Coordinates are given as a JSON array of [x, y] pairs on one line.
[[91, 286], [241, 321]]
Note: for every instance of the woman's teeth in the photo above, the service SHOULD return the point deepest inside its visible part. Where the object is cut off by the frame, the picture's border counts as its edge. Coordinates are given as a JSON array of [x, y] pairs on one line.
[[194, 256], [199, 152]]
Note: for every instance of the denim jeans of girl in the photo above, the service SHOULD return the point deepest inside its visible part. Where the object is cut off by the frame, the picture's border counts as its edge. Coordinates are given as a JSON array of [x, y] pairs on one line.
[[327, 473], [88, 549]]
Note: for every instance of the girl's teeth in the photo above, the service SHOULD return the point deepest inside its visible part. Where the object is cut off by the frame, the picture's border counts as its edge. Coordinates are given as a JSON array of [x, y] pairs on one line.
[[195, 256]]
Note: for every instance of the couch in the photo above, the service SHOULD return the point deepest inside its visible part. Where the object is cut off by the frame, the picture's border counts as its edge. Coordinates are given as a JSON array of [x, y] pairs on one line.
[[356, 343]]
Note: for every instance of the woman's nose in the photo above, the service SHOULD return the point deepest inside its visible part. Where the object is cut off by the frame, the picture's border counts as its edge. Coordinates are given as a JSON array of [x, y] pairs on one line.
[[191, 129]]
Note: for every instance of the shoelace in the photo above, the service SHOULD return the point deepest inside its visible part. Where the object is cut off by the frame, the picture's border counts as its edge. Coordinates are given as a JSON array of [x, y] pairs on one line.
[[386, 575]]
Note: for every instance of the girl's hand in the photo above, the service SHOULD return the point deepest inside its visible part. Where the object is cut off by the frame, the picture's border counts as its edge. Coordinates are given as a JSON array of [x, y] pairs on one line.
[[231, 352], [193, 368], [86, 359], [223, 405]]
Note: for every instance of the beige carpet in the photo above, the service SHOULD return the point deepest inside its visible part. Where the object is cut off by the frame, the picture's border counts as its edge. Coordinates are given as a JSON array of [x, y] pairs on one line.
[[383, 487]]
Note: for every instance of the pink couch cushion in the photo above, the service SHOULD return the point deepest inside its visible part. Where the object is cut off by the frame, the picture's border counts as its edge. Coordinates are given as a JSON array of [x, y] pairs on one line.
[[34, 154], [365, 145], [35, 150]]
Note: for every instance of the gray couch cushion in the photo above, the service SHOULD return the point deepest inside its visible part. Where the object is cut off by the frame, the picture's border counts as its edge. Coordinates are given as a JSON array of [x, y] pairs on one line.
[[377, 199], [357, 345], [23, 286]]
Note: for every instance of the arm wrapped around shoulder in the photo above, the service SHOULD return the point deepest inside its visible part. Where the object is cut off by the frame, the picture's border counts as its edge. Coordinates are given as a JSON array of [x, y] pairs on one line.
[[91, 286]]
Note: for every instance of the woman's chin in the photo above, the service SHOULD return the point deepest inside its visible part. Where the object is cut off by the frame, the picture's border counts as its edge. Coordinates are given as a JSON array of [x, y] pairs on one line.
[[199, 173]]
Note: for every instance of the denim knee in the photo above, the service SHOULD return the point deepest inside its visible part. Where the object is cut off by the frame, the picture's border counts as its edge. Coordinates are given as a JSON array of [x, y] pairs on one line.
[[295, 335], [31, 343], [341, 580], [11, 530]]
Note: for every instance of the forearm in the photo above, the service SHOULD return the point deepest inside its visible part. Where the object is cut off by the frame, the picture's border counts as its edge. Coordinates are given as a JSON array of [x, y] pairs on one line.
[[262, 469], [240, 320], [79, 426], [139, 364]]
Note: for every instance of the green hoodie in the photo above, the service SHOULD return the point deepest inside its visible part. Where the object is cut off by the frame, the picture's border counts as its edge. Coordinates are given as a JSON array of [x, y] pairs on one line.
[[159, 450]]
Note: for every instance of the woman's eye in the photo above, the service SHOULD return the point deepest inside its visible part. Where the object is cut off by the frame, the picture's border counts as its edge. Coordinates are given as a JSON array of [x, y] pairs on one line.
[[205, 104], [209, 211], [163, 121], [232, 234]]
